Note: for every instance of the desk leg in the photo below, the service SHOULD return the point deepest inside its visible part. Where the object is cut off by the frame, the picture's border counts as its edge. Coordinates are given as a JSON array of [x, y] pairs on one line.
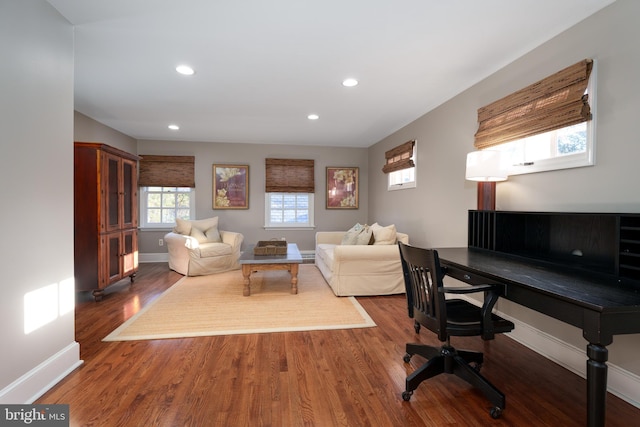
[[294, 278], [246, 272], [596, 384]]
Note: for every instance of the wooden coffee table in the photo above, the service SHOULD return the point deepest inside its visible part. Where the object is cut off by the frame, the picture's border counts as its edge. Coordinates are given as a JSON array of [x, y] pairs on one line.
[[289, 262]]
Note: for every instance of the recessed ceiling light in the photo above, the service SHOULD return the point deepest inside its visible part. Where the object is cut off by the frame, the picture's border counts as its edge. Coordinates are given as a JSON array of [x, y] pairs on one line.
[[350, 82], [185, 69], [174, 127], [313, 117]]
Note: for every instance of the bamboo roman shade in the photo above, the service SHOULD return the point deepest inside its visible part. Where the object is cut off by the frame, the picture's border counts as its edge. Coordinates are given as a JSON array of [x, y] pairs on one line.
[[399, 158], [289, 176], [167, 171], [552, 103]]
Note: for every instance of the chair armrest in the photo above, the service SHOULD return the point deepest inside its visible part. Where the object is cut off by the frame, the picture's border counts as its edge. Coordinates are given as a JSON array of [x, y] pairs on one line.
[[491, 294], [232, 238], [402, 237], [175, 239], [180, 242]]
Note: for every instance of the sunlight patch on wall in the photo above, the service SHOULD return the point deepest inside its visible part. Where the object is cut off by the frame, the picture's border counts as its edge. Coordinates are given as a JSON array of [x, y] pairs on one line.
[[44, 305], [67, 296]]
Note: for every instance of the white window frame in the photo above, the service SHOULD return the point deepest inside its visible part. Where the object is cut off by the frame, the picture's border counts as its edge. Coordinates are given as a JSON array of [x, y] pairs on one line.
[[586, 158], [395, 179], [269, 225], [144, 191]]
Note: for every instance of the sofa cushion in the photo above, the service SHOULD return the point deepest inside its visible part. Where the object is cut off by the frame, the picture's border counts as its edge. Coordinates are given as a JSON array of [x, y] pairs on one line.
[[358, 235], [384, 235], [214, 249]]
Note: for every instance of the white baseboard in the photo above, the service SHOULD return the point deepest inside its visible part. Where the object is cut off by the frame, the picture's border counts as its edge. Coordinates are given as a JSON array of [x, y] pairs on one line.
[[33, 384], [620, 382], [157, 257], [164, 257]]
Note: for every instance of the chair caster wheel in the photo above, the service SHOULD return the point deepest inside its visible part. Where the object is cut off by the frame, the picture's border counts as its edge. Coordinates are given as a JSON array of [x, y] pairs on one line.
[[416, 327], [495, 412], [406, 395], [406, 358]]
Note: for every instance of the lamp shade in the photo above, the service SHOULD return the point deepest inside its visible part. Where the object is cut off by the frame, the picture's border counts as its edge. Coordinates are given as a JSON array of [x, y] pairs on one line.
[[485, 166]]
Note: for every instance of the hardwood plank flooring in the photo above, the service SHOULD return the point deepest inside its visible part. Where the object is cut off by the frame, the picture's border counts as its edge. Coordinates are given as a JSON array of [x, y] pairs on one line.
[[351, 377]]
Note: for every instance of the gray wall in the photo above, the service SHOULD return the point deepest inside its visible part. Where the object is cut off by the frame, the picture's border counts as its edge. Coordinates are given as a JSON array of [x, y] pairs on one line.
[[434, 213], [36, 166], [85, 129], [251, 221]]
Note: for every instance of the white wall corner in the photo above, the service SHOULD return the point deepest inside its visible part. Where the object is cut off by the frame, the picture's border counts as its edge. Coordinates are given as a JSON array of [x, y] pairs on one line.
[[36, 382]]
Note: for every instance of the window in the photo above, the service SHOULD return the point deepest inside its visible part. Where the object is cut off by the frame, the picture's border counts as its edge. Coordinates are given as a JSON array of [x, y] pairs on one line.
[[160, 206], [404, 178], [563, 148], [289, 188], [289, 210], [545, 126], [400, 166], [167, 189]]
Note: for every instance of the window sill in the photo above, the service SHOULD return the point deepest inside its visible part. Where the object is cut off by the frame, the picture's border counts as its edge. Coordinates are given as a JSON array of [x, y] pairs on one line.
[[292, 227], [157, 228], [404, 186]]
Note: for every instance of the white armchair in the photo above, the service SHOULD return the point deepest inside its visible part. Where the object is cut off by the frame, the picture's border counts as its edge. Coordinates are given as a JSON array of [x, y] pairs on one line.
[[198, 248]]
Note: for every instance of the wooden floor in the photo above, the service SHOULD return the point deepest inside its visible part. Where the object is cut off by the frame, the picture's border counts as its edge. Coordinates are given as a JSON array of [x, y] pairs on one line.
[[349, 377]]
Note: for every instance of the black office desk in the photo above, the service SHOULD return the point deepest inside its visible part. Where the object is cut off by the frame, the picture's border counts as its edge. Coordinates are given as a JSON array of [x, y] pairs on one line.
[[600, 307]]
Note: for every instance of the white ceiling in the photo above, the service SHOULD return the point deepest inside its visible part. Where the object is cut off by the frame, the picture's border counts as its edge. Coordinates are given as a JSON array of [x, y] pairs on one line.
[[263, 66]]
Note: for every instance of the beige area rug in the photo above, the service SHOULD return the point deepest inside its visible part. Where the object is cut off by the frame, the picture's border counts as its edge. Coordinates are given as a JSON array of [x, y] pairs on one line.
[[214, 305]]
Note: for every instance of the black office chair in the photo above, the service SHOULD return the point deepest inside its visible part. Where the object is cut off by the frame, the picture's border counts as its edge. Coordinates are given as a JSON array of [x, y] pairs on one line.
[[423, 277]]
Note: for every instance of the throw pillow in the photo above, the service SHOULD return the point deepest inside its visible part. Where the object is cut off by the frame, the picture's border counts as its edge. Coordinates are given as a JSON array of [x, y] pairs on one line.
[[384, 235], [203, 230], [351, 235], [358, 235], [357, 227], [212, 235], [205, 224], [183, 226], [365, 237], [198, 235]]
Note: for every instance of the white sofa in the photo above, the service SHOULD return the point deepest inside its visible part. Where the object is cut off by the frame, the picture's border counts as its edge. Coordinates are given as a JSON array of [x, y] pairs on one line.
[[198, 248], [359, 269]]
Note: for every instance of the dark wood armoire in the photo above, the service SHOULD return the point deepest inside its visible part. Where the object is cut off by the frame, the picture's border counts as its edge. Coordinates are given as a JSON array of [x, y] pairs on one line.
[[106, 216]]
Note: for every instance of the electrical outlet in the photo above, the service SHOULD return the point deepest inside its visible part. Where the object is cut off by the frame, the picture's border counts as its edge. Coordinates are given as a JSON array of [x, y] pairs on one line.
[[161, 242]]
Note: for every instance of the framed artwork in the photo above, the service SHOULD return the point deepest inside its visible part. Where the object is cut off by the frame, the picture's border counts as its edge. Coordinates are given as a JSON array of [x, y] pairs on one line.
[[342, 188], [230, 186]]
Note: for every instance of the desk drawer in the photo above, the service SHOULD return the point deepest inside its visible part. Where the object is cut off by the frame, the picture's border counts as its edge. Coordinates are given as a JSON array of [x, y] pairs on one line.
[[465, 276]]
